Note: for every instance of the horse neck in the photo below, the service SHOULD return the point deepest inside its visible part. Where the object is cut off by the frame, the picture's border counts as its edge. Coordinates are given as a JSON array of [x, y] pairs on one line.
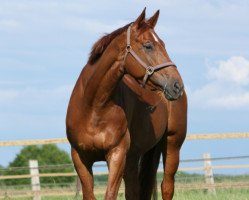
[[100, 87]]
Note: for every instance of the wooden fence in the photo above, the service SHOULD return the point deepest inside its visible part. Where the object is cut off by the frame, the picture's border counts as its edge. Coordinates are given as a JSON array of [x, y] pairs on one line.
[[37, 192], [207, 168], [64, 140]]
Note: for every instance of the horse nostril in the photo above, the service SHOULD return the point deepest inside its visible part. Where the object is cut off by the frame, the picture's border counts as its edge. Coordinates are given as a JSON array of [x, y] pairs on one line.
[[176, 87]]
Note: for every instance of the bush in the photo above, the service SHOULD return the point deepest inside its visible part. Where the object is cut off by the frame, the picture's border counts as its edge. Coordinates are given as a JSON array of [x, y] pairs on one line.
[[46, 155]]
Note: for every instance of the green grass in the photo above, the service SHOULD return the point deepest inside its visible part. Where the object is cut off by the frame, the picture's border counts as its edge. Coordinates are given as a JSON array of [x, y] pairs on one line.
[[197, 194], [222, 194]]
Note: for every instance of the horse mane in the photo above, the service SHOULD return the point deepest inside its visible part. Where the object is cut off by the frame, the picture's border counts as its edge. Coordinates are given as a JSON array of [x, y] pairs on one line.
[[100, 46]]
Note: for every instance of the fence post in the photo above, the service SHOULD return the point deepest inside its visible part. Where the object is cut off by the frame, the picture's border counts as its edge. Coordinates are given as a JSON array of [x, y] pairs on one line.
[[78, 186], [35, 179], [209, 177]]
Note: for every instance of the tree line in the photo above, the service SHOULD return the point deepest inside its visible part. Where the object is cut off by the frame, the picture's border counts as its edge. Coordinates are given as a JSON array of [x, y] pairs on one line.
[[45, 155]]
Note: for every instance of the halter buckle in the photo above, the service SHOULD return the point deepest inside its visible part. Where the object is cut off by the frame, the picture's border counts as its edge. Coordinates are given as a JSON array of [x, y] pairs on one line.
[[149, 70]]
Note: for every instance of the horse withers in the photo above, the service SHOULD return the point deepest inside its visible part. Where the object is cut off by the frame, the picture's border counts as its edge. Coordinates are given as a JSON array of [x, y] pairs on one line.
[[127, 108]]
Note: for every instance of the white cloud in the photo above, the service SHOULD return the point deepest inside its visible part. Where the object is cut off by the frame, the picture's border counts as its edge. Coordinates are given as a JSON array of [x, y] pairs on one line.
[[227, 88], [234, 70], [232, 101]]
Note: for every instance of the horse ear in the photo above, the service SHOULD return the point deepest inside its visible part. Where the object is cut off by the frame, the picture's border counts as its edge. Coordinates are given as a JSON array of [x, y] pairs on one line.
[[153, 20], [140, 19]]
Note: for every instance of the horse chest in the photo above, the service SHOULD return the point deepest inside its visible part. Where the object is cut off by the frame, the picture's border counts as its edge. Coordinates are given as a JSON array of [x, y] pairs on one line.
[[148, 126]]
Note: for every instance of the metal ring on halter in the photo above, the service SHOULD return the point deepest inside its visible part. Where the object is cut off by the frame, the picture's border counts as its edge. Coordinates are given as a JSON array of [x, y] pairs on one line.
[[128, 48], [149, 70]]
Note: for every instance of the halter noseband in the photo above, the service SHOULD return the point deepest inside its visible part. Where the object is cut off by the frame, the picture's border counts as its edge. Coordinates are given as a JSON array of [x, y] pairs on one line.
[[149, 70]]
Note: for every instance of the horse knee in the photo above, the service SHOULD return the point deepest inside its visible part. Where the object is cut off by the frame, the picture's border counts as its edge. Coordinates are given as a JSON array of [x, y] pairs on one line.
[[167, 188]]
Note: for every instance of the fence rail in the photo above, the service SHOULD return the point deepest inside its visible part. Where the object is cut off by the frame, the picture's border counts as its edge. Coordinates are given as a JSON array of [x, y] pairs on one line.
[[104, 173], [64, 140], [201, 183]]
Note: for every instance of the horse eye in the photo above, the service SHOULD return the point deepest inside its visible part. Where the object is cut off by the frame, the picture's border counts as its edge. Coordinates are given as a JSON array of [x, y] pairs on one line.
[[148, 46]]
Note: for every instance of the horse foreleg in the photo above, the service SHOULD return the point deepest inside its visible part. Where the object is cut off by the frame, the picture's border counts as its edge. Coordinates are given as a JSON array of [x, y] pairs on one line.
[[116, 159], [171, 162], [84, 170]]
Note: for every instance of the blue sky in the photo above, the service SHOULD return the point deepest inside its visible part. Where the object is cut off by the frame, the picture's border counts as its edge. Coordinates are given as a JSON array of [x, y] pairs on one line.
[[45, 44]]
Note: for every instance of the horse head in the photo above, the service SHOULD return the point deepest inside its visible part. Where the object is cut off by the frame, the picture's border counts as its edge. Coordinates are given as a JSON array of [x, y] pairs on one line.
[[147, 60]]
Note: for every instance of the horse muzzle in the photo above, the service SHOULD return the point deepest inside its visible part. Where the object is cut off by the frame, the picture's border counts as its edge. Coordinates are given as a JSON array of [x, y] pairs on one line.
[[173, 89]]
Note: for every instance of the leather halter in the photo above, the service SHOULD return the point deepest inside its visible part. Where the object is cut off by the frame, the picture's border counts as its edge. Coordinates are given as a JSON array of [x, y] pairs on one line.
[[149, 70]]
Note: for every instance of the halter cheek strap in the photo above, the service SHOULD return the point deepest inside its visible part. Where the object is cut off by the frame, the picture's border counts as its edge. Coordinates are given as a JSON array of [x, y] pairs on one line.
[[149, 70]]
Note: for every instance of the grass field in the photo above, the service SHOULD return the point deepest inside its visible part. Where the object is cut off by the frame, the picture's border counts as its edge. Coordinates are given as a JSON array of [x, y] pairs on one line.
[[180, 194], [224, 194]]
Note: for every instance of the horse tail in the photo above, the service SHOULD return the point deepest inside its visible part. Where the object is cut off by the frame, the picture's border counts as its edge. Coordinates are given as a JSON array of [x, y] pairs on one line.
[[148, 170]]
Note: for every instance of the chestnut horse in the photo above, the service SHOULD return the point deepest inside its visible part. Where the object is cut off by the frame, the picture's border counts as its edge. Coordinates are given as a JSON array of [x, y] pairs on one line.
[[127, 108]]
